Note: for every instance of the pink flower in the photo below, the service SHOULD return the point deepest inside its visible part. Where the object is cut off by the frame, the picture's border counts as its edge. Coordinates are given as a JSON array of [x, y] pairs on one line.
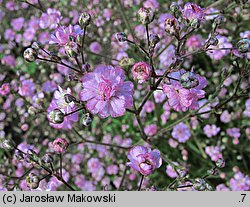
[[240, 182], [181, 132], [211, 130], [141, 71], [186, 92], [144, 160], [150, 130], [62, 34], [17, 23], [5, 89], [60, 145], [27, 88], [192, 11], [50, 19], [106, 92], [214, 152], [234, 132]]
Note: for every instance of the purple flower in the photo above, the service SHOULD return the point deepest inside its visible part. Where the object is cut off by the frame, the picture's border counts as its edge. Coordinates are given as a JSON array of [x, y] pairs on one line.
[[211, 130], [144, 160], [60, 145], [27, 88], [240, 182], [50, 19], [186, 92], [234, 132], [62, 34], [106, 92], [95, 47], [150, 130], [17, 23], [5, 89], [181, 132], [192, 11], [214, 152]]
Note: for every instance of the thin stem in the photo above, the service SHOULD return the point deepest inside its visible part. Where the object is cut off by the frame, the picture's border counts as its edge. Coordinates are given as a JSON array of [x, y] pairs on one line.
[[72, 112], [138, 46], [61, 63], [122, 10], [82, 45], [61, 165], [123, 177], [95, 142], [147, 35], [141, 181]]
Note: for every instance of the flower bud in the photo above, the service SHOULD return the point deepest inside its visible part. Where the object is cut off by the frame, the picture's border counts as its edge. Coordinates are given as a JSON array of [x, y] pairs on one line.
[[172, 25], [36, 45], [60, 145], [69, 98], [212, 172], [213, 41], [87, 120], [189, 80], [195, 23], [56, 116], [47, 158], [153, 40], [126, 62], [121, 37], [141, 71], [199, 184], [84, 19], [19, 155], [86, 67], [174, 7], [30, 55], [220, 163], [218, 20], [146, 15], [8, 144], [244, 45], [32, 110], [32, 181], [71, 49]]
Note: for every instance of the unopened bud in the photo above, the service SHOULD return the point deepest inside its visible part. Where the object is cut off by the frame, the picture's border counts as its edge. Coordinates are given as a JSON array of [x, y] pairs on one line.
[[153, 40], [35, 45], [71, 49], [199, 184], [146, 15], [189, 80], [244, 45], [121, 37], [220, 163], [174, 7], [8, 144], [218, 20], [30, 55], [32, 110], [87, 120], [213, 41], [56, 116], [32, 181], [195, 23], [84, 19], [47, 158], [126, 62]]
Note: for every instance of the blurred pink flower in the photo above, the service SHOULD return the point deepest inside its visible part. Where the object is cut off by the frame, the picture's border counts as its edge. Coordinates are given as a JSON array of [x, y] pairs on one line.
[[106, 92], [50, 19], [150, 130], [62, 34], [60, 145], [192, 11], [5, 89], [181, 132]]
